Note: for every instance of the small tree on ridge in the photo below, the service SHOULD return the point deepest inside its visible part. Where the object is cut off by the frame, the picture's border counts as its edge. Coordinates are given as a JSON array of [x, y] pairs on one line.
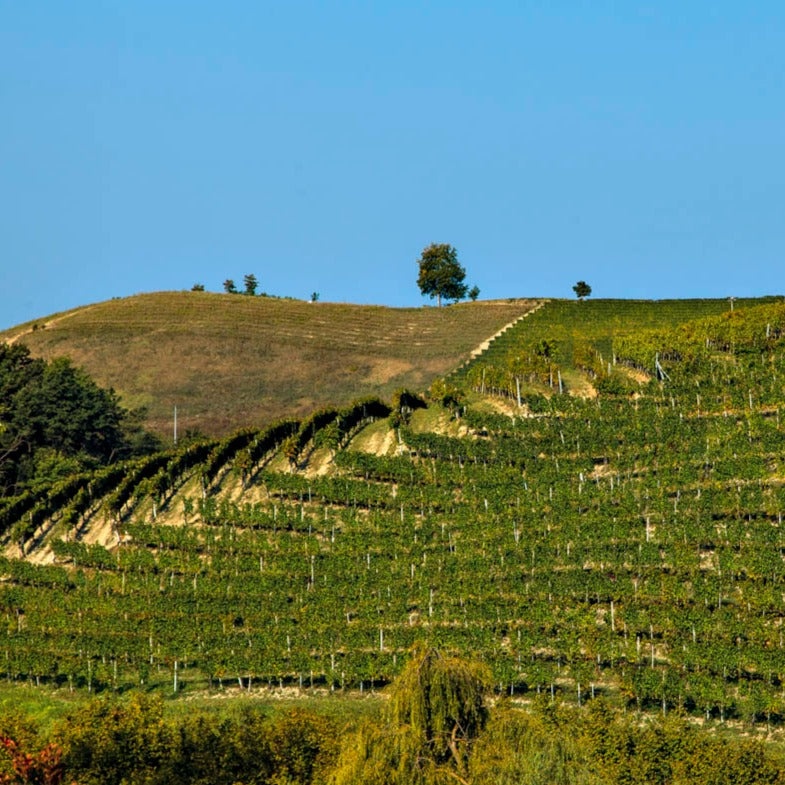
[[581, 289], [250, 283], [440, 273]]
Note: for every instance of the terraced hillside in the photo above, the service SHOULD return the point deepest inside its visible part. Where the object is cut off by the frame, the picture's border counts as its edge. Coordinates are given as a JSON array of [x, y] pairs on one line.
[[575, 339], [228, 360], [630, 545]]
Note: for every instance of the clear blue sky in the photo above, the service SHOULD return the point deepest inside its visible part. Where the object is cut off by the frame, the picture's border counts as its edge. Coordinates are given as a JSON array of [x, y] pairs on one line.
[[151, 145]]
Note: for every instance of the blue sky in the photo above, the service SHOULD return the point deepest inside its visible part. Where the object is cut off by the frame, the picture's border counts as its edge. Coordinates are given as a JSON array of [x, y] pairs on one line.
[[151, 145]]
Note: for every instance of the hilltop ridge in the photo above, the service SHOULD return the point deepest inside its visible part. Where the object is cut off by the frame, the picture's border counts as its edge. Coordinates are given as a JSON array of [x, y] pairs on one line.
[[228, 361]]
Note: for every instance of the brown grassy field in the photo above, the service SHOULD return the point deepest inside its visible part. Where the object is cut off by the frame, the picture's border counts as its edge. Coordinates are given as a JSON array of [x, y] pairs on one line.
[[229, 360]]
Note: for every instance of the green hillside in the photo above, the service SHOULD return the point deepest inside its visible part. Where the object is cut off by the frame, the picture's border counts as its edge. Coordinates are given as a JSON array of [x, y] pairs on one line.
[[228, 361], [578, 330], [624, 543]]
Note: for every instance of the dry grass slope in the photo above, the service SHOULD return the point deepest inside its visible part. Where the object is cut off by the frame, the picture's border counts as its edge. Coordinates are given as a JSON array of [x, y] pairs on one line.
[[230, 360]]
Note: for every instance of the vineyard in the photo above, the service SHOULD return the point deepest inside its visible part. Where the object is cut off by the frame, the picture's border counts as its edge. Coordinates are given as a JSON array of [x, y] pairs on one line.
[[627, 543], [567, 340]]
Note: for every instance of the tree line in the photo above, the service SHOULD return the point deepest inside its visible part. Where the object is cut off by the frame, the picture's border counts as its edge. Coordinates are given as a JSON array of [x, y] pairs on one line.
[[55, 421]]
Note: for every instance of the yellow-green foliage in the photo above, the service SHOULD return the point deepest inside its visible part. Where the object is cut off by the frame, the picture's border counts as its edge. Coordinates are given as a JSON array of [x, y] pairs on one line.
[[529, 364], [441, 699], [555, 745], [605, 377], [447, 395], [555, 338], [116, 742], [744, 329], [105, 742], [133, 742], [522, 748], [436, 712], [438, 730]]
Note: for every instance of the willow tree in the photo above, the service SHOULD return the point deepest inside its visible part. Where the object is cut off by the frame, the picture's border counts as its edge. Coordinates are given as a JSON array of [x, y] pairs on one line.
[[436, 712]]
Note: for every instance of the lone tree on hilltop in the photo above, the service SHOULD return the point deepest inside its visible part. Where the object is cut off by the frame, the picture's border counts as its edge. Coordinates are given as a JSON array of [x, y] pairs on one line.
[[440, 273], [581, 289], [250, 283], [229, 286]]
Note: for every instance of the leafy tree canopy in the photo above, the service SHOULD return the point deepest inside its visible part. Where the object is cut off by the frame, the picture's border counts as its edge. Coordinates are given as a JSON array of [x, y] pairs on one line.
[[441, 275], [250, 283], [581, 289], [436, 713], [54, 419]]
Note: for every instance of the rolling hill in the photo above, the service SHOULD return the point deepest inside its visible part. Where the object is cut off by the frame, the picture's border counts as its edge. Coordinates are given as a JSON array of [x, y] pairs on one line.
[[228, 361]]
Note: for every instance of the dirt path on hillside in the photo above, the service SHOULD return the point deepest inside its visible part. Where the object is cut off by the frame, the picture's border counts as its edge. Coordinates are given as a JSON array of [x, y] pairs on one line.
[[478, 350], [44, 325], [635, 374], [579, 386]]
